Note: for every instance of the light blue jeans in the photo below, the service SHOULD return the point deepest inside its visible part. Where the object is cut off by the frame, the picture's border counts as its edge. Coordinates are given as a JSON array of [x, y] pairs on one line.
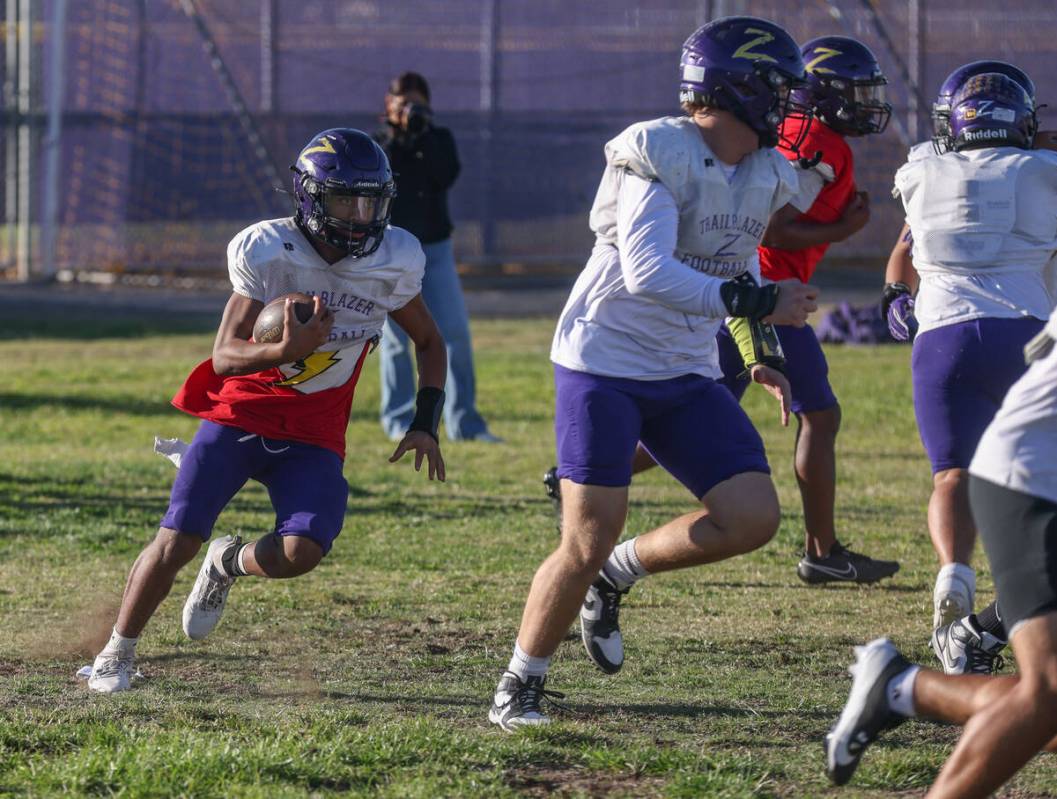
[[443, 296]]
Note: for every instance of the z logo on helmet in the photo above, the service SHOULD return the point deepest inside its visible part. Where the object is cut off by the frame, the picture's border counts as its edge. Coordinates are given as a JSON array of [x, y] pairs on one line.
[[324, 147], [824, 53], [745, 51]]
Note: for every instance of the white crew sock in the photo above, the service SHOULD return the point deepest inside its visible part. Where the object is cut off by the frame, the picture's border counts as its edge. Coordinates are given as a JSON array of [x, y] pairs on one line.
[[956, 574], [241, 558], [525, 665], [119, 644], [623, 568], [900, 691]]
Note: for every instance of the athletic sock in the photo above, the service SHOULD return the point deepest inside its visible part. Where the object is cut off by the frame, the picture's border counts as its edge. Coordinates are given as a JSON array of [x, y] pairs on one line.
[[119, 644], [525, 665], [954, 573], [900, 690], [623, 568], [231, 560], [990, 620]]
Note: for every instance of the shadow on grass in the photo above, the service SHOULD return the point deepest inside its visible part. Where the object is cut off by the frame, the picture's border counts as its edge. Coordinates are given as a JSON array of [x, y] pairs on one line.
[[80, 402], [103, 322]]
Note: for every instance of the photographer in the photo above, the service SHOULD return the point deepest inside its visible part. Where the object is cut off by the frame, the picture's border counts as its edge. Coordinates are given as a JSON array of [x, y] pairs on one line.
[[425, 164]]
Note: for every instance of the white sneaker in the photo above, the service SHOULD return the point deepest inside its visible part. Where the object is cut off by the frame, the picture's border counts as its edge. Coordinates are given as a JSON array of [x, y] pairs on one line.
[[963, 648], [517, 702], [112, 672], [205, 604], [867, 712]]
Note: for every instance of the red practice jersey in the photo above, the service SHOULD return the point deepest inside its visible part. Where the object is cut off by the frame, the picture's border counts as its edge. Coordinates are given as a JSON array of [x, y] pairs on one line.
[[838, 170], [308, 400]]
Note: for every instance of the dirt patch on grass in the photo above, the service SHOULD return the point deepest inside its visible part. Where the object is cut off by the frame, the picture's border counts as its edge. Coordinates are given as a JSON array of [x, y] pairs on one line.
[[81, 634], [581, 782]]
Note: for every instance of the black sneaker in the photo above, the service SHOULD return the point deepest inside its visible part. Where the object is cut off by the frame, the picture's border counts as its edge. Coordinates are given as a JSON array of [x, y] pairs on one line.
[[553, 486], [963, 648], [844, 566], [600, 625], [867, 712], [517, 702]]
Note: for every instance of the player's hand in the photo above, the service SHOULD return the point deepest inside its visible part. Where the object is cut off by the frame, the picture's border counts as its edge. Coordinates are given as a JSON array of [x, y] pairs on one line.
[[777, 385], [302, 339], [425, 446], [857, 214], [902, 323], [795, 301]]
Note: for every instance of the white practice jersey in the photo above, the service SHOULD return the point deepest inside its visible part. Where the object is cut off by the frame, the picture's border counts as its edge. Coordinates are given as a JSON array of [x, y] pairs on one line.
[[985, 226], [272, 258], [670, 228], [1019, 448]]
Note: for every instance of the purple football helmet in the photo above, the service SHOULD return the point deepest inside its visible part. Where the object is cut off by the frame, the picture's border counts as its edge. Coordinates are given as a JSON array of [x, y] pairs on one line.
[[991, 110], [343, 190], [845, 86], [747, 66], [941, 109]]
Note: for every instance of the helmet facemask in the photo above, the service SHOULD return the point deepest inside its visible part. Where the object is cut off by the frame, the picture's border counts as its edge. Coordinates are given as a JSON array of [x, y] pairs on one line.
[[350, 218], [854, 107]]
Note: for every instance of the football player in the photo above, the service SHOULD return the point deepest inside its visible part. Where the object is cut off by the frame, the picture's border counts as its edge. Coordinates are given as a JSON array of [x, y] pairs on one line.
[[680, 210], [277, 412], [1013, 494], [977, 301], [845, 92]]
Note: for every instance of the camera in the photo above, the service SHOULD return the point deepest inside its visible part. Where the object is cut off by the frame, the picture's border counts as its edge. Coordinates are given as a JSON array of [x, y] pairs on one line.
[[419, 118]]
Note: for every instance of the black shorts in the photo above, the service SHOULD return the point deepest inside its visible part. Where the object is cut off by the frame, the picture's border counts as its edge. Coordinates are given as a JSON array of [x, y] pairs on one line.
[[1019, 532]]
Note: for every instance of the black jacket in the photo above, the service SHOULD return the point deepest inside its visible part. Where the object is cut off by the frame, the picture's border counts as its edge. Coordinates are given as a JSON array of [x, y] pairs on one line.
[[424, 168]]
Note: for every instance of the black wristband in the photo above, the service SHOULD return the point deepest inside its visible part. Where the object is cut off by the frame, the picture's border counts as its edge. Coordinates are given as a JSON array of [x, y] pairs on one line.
[[743, 298], [891, 292], [428, 404]]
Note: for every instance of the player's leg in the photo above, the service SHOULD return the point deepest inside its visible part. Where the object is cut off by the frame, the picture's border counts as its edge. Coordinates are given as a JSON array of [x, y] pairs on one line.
[[1006, 734], [952, 412], [815, 463], [212, 471], [596, 425], [961, 373], [1020, 535], [397, 372], [308, 493], [723, 464], [443, 296]]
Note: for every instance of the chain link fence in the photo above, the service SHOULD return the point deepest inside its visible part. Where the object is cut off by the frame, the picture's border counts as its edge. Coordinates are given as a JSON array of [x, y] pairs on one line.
[[140, 135]]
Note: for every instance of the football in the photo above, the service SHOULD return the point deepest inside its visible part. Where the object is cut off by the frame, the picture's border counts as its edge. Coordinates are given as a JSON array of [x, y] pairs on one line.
[[269, 325]]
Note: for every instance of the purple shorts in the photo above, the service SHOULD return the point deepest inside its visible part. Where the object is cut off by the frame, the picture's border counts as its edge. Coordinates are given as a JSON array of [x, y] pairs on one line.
[[691, 425], [805, 366], [961, 373], [304, 482]]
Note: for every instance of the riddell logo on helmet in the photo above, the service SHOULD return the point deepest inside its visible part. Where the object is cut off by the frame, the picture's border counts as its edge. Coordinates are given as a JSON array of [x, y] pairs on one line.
[[986, 133]]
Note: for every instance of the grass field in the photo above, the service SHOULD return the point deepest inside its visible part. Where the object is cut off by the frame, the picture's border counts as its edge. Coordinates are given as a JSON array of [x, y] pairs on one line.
[[373, 674]]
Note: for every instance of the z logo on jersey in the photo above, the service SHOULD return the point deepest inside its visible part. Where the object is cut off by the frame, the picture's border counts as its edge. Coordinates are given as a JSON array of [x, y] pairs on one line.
[[745, 51], [312, 366]]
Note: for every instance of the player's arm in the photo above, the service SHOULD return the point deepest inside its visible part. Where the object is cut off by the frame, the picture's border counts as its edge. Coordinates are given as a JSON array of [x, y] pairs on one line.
[[900, 267], [647, 233], [235, 354], [432, 357], [787, 231], [901, 283]]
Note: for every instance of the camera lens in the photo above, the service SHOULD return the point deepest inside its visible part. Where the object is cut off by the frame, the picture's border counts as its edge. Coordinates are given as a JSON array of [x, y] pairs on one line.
[[418, 118]]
